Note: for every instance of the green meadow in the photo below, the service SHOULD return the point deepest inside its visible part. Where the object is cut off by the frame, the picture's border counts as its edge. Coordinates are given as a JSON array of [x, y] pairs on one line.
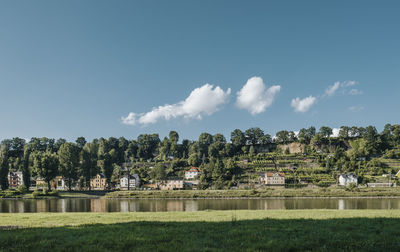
[[280, 230]]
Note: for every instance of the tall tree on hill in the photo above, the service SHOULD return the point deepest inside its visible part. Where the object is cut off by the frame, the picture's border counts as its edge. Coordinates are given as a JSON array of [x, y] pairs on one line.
[[344, 132], [238, 138], [26, 172], [80, 142], [4, 168], [253, 135], [45, 164], [325, 131], [68, 155], [106, 167], [88, 162], [205, 139], [282, 137]]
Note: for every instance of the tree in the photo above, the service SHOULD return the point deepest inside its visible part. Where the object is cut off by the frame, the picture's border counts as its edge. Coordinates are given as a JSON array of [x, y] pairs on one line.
[[219, 138], [4, 167], [106, 166], [253, 135], [238, 138], [80, 142], [26, 172], [173, 137], [131, 151], [344, 132], [325, 131], [205, 139], [282, 137], [88, 162], [158, 172], [147, 145], [45, 164], [58, 144], [68, 156], [266, 139]]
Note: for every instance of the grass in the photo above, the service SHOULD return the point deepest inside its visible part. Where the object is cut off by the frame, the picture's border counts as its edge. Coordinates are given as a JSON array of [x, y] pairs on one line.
[[262, 193], [321, 230]]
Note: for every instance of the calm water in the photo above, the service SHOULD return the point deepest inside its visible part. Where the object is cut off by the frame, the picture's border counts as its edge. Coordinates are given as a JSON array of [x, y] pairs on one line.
[[150, 205]]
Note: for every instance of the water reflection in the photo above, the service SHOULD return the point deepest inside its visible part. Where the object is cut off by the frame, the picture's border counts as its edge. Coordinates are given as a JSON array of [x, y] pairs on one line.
[[149, 205]]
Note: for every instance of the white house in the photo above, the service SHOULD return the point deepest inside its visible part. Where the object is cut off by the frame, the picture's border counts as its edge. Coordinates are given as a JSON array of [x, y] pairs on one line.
[[274, 179], [192, 173], [347, 179], [134, 182], [15, 179]]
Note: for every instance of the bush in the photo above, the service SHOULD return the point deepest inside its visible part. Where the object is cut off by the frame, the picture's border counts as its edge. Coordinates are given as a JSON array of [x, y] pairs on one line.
[[22, 189], [45, 192]]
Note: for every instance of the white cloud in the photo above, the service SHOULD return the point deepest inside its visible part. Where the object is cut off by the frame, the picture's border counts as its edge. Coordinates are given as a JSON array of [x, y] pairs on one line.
[[255, 96], [331, 90], [348, 83], [355, 91], [204, 100], [356, 108], [335, 132], [303, 105]]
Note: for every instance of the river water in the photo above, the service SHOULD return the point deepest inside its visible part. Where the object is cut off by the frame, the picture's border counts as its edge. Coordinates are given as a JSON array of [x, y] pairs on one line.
[[163, 205]]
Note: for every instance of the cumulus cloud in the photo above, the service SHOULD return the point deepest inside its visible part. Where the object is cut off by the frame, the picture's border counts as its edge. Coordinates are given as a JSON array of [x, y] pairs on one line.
[[335, 132], [303, 105], [255, 96], [204, 100]]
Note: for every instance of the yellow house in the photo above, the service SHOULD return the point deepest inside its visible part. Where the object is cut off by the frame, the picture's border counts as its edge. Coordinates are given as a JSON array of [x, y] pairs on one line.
[[99, 182]]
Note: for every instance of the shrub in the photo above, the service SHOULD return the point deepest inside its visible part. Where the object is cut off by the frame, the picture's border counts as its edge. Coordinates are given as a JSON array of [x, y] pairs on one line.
[[22, 189]]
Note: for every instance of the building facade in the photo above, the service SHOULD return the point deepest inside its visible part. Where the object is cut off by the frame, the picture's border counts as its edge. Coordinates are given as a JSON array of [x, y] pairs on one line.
[[192, 173], [15, 179], [274, 179], [133, 181], [347, 179], [171, 184], [99, 182]]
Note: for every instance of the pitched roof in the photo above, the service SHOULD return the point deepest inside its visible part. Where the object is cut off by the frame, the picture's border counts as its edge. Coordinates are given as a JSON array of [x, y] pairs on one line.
[[271, 174], [193, 169]]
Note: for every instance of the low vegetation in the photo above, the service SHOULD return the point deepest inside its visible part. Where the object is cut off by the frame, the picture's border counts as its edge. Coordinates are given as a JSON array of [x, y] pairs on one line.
[[299, 192], [317, 230]]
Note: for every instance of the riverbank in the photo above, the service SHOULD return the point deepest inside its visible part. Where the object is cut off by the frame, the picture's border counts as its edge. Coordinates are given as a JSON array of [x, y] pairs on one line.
[[265, 193], [331, 192], [13, 194], [205, 230]]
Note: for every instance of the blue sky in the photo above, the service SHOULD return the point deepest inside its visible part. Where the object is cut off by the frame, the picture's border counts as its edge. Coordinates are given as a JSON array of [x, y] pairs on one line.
[[75, 68]]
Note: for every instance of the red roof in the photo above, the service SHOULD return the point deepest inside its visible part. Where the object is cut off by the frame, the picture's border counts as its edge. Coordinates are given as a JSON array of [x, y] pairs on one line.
[[193, 169], [271, 174]]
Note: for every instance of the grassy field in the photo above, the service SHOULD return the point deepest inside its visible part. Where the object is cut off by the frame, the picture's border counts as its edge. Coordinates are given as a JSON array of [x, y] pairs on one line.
[[320, 230], [263, 193]]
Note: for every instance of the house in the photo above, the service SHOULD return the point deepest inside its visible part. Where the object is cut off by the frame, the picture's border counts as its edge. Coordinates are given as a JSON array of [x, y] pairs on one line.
[[274, 179], [133, 181], [58, 183], [40, 182], [347, 179], [99, 182], [171, 184], [192, 173], [150, 186], [15, 179]]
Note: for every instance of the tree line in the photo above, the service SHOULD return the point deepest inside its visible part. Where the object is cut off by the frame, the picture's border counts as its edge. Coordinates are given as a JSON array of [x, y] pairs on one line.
[[82, 160]]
